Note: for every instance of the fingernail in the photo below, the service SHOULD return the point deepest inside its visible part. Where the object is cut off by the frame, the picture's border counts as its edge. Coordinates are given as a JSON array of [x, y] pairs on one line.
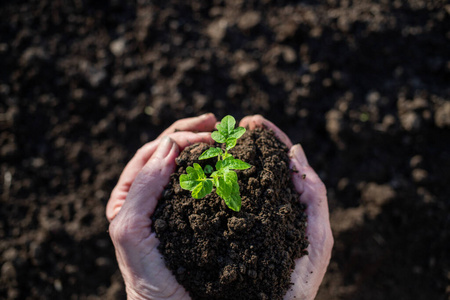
[[164, 147]]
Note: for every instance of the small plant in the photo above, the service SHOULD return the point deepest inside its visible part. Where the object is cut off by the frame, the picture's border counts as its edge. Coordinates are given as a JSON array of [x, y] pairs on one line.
[[224, 179]]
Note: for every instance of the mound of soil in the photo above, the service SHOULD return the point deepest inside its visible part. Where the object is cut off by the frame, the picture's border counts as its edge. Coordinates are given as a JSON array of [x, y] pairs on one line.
[[217, 253]]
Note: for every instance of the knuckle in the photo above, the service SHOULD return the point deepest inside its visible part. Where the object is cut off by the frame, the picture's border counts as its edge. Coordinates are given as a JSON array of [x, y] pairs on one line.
[[177, 123], [177, 135], [141, 151], [246, 119], [258, 119]]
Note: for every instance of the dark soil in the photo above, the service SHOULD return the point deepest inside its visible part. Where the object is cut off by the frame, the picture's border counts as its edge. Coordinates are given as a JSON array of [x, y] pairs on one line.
[[363, 85], [217, 253]]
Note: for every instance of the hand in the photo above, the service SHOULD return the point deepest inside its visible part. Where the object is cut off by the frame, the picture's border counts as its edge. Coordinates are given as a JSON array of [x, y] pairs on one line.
[[309, 270], [134, 200]]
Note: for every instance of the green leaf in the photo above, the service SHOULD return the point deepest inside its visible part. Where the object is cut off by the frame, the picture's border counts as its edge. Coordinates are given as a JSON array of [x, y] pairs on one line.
[[217, 174], [193, 177], [202, 189], [219, 164], [234, 201], [223, 189], [211, 152], [229, 192], [226, 126], [198, 169], [225, 156], [230, 143], [227, 133], [188, 182], [208, 169], [216, 182], [195, 181], [234, 164], [218, 137], [230, 176], [238, 132]]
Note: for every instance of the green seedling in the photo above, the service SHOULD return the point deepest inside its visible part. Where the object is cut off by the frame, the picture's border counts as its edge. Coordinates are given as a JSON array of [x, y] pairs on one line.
[[223, 178]]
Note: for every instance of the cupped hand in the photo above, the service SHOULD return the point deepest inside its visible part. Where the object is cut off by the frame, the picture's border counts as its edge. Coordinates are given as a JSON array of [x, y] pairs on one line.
[[134, 200], [135, 196], [310, 269]]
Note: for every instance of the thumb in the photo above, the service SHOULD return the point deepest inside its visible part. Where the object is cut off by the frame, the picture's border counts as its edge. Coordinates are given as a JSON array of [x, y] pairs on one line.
[[151, 180]]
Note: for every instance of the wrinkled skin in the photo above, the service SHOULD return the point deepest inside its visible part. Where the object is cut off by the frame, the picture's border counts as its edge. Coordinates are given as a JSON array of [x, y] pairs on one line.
[[135, 196]]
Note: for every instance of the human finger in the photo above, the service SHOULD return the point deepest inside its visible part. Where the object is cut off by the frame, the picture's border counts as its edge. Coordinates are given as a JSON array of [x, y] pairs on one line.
[[203, 123], [120, 191], [310, 269], [131, 227], [151, 180], [308, 184], [314, 194], [255, 121]]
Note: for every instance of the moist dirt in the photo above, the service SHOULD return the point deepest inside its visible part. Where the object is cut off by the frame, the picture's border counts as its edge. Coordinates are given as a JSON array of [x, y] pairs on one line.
[[216, 253]]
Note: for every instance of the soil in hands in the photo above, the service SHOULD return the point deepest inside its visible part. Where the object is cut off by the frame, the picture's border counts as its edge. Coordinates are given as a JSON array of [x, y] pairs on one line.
[[216, 253]]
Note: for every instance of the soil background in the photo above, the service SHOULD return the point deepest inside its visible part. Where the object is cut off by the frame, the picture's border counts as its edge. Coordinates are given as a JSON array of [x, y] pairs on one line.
[[363, 85]]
